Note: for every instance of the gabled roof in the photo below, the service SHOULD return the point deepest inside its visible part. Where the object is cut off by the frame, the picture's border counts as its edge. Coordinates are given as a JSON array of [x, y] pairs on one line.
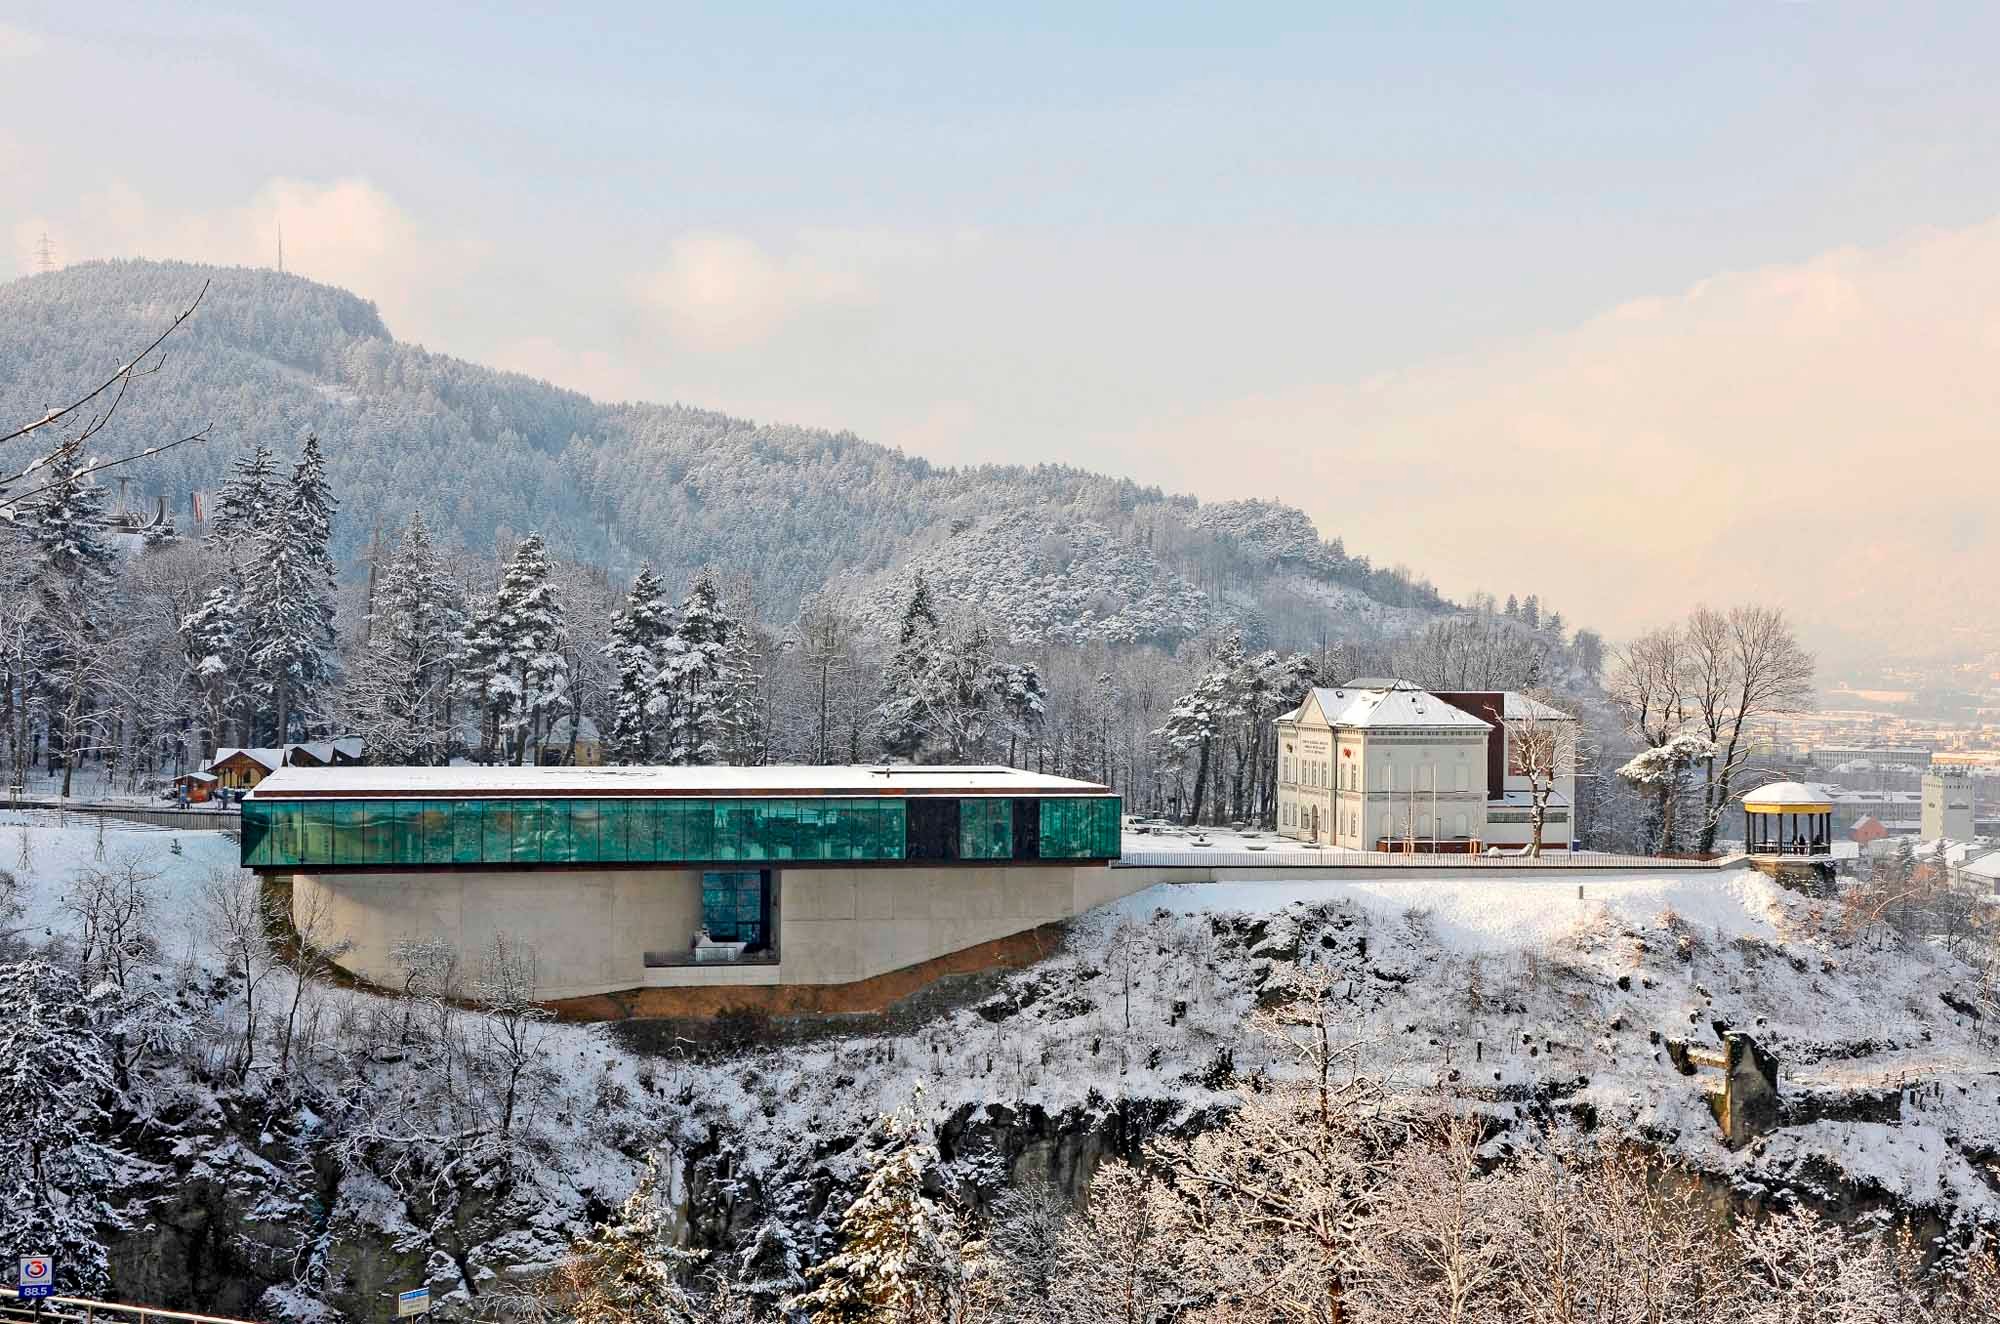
[[267, 758]]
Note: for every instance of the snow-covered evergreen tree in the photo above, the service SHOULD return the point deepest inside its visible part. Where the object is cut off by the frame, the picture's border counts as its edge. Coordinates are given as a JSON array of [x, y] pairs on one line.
[[290, 595], [247, 501], [902, 1251], [398, 698], [60, 1177], [530, 674], [696, 687], [639, 634], [73, 572]]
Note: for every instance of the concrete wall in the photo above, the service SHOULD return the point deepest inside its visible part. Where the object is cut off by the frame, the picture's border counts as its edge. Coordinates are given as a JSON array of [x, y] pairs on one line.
[[847, 924], [591, 929]]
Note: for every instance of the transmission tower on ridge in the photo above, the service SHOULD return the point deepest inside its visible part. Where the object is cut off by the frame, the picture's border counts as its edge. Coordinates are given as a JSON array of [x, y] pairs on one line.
[[45, 254]]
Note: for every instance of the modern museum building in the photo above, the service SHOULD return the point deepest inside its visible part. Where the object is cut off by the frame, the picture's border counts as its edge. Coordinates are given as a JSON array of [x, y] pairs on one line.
[[628, 878]]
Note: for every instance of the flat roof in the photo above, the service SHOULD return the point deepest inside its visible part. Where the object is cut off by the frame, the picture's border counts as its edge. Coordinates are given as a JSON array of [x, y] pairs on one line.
[[470, 781]]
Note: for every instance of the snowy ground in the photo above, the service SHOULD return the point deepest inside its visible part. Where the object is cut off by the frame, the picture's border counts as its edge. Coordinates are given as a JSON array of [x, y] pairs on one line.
[[1534, 998]]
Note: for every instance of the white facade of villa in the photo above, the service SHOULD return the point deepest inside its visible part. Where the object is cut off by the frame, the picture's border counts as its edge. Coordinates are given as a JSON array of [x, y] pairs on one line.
[[1382, 764]]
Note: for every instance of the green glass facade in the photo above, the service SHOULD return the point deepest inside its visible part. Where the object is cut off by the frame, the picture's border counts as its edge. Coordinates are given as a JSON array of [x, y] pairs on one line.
[[324, 833]]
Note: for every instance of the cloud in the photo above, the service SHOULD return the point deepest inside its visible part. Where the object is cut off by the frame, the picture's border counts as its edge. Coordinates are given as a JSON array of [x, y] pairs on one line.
[[19, 43], [347, 232], [722, 291], [1821, 434]]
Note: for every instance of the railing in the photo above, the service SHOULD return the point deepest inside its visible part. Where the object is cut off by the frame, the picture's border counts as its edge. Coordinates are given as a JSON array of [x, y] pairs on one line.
[[1341, 858], [161, 816], [1791, 848], [82, 1310]]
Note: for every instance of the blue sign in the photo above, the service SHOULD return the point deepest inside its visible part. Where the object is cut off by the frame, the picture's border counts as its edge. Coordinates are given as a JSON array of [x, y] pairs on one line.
[[415, 1302], [38, 1277]]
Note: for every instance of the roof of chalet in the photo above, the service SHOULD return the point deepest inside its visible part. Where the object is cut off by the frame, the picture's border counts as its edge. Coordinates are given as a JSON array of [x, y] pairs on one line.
[[472, 781], [269, 758], [273, 757]]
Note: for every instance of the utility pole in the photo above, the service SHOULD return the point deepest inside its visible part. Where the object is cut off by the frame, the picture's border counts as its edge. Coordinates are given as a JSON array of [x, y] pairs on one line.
[[281, 247]]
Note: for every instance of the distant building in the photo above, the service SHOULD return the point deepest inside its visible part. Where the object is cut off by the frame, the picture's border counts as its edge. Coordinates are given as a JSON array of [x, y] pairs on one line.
[[557, 750], [1947, 805], [1867, 828], [1381, 764], [241, 768]]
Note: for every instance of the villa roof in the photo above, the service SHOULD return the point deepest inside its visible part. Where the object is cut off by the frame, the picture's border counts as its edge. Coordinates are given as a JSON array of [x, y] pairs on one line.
[[1403, 705], [468, 781]]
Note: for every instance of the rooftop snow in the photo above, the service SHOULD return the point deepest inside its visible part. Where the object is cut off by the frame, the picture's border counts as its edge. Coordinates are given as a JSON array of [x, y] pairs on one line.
[[476, 782]]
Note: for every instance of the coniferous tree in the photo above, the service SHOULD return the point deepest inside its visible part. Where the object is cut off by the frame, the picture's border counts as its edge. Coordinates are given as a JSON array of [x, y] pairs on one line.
[[903, 1252], [290, 594], [73, 569], [530, 675], [695, 682], [55, 1079], [908, 674], [397, 698], [639, 635], [247, 500]]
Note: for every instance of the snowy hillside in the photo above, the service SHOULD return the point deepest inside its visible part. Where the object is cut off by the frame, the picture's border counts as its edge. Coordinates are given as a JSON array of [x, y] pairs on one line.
[[285, 1190], [489, 455]]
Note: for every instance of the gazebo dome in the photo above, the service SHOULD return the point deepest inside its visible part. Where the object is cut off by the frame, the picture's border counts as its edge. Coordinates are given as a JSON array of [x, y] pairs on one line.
[[1788, 798]]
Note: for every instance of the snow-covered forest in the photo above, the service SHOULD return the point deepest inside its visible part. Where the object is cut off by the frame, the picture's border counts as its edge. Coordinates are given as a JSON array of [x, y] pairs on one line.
[[320, 595], [488, 456]]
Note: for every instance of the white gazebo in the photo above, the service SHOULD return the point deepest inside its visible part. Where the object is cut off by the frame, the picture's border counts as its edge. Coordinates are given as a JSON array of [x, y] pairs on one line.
[[1788, 819]]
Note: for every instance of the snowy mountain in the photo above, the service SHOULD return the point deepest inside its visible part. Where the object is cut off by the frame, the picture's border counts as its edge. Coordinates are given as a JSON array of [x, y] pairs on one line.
[[488, 456]]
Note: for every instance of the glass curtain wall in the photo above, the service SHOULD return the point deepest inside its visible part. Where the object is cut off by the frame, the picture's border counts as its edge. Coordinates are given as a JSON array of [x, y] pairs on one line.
[[280, 833]]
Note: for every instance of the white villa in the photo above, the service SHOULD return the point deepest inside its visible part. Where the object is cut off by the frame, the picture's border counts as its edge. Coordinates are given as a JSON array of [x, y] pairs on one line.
[[1380, 764]]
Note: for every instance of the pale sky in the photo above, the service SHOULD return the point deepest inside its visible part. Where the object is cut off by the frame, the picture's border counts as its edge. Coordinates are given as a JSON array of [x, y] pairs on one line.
[[1631, 306]]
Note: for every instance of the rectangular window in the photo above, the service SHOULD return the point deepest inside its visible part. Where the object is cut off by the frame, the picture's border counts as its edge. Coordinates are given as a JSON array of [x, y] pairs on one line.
[[1080, 828], [734, 906], [256, 829], [1027, 829], [933, 828], [468, 821], [985, 829]]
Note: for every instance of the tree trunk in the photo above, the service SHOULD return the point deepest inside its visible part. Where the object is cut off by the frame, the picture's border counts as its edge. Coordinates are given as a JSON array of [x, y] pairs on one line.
[[1200, 783]]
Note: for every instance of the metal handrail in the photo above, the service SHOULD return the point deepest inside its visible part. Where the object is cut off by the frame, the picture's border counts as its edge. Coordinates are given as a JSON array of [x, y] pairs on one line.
[[11, 1307]]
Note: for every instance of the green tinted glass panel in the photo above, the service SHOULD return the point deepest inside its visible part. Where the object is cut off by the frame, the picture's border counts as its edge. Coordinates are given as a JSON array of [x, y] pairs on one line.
[[317, 845], [528, 821], [985, 829], [586, 828], [613, 821], [348, 817], [256, 828], [468, 821], [437, 831], [1078, 828], [496, 834], [406, 835], [557, 828]]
